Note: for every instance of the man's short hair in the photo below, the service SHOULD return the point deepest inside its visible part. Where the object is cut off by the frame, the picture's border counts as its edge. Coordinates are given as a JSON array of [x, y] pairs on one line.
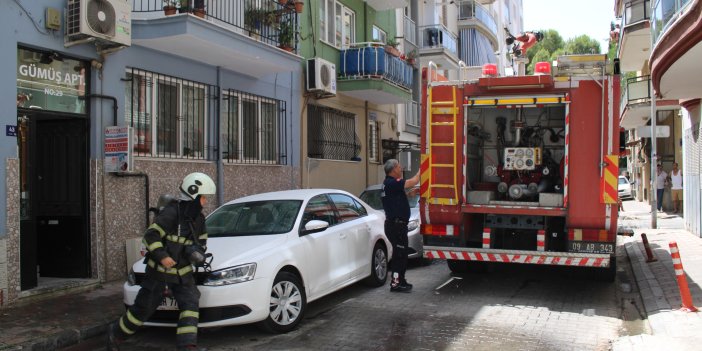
[[390, 165]]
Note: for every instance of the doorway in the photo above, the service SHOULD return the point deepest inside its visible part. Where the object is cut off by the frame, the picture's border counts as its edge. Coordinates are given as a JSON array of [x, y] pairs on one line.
[[54, 235]]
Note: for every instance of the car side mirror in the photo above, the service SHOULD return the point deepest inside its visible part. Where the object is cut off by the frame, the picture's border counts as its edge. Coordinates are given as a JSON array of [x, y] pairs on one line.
[[314, 226]]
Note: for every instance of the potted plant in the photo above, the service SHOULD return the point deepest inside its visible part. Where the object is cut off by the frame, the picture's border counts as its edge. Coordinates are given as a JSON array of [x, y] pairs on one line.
[[391, 47], [184, 6], [199, 8], [411, 56], [286, 35], [170, 7], [299, 6], [255, 18]]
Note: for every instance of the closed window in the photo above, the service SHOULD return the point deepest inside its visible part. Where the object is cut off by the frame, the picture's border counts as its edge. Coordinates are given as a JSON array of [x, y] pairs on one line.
[[337, 24]]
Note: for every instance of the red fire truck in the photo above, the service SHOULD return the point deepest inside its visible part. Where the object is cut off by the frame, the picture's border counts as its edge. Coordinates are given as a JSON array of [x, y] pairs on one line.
[[522, 169]]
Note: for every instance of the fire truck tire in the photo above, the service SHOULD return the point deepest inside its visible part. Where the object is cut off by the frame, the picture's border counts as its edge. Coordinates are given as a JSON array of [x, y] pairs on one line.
[[608, 274], [379, 266]]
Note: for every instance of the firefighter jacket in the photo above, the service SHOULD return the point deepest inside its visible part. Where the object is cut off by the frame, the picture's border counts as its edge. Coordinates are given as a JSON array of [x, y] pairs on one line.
[[172, 230]]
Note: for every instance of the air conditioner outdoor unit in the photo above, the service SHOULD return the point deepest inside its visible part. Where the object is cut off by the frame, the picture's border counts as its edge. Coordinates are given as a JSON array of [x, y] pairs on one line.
[[108, 21], [321, 76]]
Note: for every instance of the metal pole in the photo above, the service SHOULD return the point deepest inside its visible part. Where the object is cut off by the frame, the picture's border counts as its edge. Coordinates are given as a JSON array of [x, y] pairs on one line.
[[654, 154]]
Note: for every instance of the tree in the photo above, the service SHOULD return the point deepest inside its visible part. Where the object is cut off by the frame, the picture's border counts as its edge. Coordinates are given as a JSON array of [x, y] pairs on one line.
[[582, 45]]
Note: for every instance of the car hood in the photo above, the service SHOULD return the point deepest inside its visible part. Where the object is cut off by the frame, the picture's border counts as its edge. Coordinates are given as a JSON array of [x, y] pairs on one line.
[[232, 251]]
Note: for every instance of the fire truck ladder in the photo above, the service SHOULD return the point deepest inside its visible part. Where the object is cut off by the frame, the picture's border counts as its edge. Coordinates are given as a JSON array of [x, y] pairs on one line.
[[441, 115]]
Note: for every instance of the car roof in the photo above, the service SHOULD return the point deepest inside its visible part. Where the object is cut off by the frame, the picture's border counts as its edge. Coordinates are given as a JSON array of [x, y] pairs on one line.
[[297, 194], [374, 187]]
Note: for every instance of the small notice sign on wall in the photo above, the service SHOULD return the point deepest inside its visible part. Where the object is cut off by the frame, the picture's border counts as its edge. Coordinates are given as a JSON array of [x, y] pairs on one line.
[[118, 149], [10, 130]]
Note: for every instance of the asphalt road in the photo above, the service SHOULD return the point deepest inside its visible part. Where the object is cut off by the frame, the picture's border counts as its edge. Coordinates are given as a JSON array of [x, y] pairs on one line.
[[510, 307]]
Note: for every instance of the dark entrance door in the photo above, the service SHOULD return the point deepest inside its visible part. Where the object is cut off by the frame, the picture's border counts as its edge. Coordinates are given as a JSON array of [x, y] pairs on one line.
[[55, 228]]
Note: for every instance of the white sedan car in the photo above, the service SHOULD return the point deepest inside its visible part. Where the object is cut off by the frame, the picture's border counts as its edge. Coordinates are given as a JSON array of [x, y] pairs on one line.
[[275, 252]]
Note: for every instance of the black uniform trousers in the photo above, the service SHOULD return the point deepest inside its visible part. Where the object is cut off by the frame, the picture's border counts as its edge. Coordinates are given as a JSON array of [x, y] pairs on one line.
[[150, 297], [396, 231]]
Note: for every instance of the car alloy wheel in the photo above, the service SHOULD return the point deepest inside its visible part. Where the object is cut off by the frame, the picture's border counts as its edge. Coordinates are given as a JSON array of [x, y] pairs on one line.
[[379, 266], [287, 303]]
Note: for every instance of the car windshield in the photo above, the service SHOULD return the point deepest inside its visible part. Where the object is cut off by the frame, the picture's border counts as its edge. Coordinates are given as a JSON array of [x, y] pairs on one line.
[[253, 218], [372, 198], [623, 181]]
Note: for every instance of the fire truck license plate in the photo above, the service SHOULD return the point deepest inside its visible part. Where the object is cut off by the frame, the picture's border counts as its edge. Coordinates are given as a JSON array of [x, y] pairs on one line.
[[591, 247], [168, 304]]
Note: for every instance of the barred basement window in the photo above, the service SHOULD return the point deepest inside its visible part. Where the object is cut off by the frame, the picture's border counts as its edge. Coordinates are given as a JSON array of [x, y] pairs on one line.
[[252, 129], [168, 114], [373, 141], [331, 134]]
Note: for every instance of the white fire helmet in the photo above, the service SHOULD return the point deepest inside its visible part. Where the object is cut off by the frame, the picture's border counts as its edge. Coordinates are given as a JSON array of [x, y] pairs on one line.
[[195, 184]]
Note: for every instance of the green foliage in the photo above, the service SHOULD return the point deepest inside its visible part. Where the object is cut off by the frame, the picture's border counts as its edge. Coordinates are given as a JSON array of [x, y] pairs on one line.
[[582, 45], [286, 34]]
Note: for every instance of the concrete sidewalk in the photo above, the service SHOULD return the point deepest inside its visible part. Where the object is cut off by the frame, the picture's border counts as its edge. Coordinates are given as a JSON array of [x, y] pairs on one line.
[[672, 328], [60, 322]]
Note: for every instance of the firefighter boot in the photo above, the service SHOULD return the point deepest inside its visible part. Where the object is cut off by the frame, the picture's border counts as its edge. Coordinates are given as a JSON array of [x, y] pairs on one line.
[[113, 339], [399, 285]]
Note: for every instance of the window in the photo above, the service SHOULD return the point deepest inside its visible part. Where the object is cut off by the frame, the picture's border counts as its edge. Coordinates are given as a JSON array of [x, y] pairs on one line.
[[251, 128], [331, 134], [348, 208], [337, 24], [379, 35], [319, 208], [373, 141], [168, 114]]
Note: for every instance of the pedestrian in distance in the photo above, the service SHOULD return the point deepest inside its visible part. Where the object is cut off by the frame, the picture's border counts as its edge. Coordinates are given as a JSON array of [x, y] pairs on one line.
[[176, 241], [661, 177], [676, 182], [397, 213]]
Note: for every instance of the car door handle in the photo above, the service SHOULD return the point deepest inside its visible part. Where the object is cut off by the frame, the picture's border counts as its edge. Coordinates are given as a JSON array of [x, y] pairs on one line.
[[342, 236]]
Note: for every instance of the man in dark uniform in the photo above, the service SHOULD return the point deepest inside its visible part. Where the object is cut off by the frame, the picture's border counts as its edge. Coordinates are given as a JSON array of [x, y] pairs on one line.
[[397, 213], [169, 270]]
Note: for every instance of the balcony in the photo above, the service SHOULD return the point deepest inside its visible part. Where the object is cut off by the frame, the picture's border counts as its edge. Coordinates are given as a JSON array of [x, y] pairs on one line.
[[473, 14], [382, 5], [368, 72], [636, 103], [677, 35], [438, 44], [251, 37], [635, 36]]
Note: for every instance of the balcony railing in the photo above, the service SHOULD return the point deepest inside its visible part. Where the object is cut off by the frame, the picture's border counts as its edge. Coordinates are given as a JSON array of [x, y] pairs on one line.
[[637, 89], [663, 12], [412, 114], [269, 21], [410, 30], [472, 10], [636, 12], [371, 60], [437, 36]]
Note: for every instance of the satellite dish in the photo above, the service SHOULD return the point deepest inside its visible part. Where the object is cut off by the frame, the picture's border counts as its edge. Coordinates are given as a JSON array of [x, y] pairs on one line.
[[101, 17]]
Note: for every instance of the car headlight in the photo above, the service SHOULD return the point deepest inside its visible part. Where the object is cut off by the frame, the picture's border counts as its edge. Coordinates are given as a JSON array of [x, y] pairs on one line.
[[412, 225], [232, 275], [131, 277]]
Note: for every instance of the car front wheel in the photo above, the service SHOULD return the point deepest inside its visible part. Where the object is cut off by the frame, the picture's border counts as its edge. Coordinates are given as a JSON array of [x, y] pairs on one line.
[[287, 304], [379, 266]]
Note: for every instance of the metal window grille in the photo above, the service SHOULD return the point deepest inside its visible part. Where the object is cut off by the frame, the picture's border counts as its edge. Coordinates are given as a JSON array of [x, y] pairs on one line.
[[253, 129], [169, 115], [373, 141], [331, 134]]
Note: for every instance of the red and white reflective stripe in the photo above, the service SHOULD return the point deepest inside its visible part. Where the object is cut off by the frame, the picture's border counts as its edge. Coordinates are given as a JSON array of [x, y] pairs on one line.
[[567, 142], [685, 296], [602, 261], [677, 263], [486, 238], [540, 240]]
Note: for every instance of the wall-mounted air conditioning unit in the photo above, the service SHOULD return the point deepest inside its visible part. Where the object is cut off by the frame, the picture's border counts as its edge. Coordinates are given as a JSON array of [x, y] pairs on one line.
[[321, 76], [108, 21]]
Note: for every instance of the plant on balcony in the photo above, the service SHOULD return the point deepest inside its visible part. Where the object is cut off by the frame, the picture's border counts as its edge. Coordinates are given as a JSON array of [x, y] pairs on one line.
[[255, 18], [411, 56], [391, 47], [286, 35], [199, 8], [170, 7]]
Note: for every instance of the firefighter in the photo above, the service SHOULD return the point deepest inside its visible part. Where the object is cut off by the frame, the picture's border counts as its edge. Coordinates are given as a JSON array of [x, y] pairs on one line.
[[171, 242], [397, 213], [527, 40]]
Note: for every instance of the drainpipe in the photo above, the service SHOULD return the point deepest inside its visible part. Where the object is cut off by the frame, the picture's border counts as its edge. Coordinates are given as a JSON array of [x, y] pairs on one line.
[[146, 188], [218, 153], [114, 104]]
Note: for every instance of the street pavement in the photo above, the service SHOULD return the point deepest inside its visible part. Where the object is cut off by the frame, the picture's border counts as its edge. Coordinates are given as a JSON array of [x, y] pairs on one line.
[[64, 321]]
